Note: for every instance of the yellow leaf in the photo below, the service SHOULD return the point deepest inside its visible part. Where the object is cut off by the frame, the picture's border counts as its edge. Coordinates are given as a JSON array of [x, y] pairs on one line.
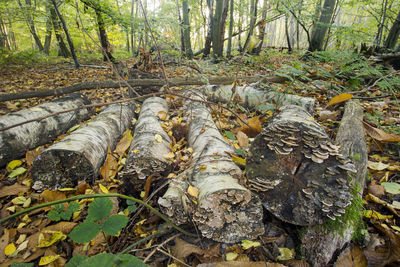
[[103, 189], [231, 256], [158, 138], [375, 214], [193, 191], [171, 175], [286, 254], [339, 99], [380, 135], [27, 203], [239, 161], [377, 166], [124, 143], [10, 249], [48, 259], [255, 126], [13, 164], [396, 228], [162, 115], [246, 244], [18, 200], [136, 151], [66, 189], [170, 155], [203, 168], [48, 238]]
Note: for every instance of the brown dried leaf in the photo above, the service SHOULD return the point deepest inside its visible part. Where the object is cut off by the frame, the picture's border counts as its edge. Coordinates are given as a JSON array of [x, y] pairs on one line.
[[254, 129], [339, 99], [242, 138], [328, 115], [124, 143], [352, 256], [12, 190], [49, 196], [182, 249], [380, 135], [110, 167], [376, 189]]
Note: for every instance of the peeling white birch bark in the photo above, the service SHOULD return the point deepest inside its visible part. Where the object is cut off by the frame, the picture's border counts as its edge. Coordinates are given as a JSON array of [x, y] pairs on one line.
[[149, 145], [80, 155], [15, 142], [225, 211]]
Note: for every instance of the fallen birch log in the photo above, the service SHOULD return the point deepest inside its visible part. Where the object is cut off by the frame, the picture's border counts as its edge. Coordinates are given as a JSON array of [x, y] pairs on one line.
[[299, 172], [17, 141], [80, 155], [138, 82], [254, 95], [319, 246], [225, 210], [149, 146]]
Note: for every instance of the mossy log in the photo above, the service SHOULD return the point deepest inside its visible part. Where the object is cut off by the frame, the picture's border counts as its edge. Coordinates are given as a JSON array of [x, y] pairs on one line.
[[225, 211], [299, 172], [320, 244], [15, 142], [254, 95], [149, 146], [80, 155]]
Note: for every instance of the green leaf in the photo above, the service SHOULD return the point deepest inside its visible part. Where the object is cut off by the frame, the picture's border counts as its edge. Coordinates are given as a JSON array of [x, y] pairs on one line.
[[73, 206], [99, 209], [240, 152], [59, 208], [230, 135], [13, 164], [54, 215], [16, 172], [114, 224], [99, 260], [127, 260], [84, 232], [22, 264], [66, 215], [132, 208], [392, 188], [76, 260]]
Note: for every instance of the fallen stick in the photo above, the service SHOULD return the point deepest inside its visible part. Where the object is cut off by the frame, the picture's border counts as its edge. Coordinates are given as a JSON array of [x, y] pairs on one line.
[[225, 211], [137, 82], [80, 155], [15, 142], [149, 146]]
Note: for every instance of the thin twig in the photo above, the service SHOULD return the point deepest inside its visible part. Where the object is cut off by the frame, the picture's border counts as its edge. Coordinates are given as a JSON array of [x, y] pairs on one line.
[[162, 244], [375, 83]]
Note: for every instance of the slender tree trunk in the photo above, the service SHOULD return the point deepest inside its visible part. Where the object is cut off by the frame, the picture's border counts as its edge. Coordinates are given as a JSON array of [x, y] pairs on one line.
[[132, 26], [126, 29], [379, 34], [31, 23], [105, 44], [261, 27], [321, 27], [253, 17], [394, 33], [240, 27], [218, 24], [287, 35], [4, 38], [182, 35], [228, 51], [71, 45], [63, 50], [207, 44], [47, 40], [186, 29], [335, 13]]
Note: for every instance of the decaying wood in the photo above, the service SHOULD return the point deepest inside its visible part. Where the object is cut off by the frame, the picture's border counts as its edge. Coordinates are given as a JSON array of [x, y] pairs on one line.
[[319, 246], [137, 82], [80, 155], [299, 172], [16, 141], [256, 94], [150, 144], [225, 211]]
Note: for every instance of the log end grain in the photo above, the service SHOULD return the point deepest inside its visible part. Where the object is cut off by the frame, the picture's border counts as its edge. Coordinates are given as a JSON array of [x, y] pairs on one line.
[[230, 216], [60, 169]]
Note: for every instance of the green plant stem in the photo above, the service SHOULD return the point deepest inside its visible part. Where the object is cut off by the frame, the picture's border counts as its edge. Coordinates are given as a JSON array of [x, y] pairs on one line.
[[96, 196], [143, 240]]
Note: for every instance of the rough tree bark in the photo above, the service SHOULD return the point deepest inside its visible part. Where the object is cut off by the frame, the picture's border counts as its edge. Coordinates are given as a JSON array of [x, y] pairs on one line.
[[186, 29], [321, 27], [149, 146], [254, 95], [225, 211], [300, 172], [16, 141], [63, 50], [207, 43], [229, 48], [80, 155], [319, 247], [394, 33], [31, 23], [253, 17]]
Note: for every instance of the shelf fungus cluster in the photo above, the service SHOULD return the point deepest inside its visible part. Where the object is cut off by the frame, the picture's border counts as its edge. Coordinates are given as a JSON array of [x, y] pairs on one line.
[[300, 174]]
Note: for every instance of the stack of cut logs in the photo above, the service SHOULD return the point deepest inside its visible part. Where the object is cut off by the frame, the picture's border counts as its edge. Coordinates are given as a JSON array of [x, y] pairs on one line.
[[294, 170]]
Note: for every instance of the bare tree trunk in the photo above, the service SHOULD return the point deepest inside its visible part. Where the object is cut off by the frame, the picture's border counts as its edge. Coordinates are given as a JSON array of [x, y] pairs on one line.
[[394, 33], [47, 40], [31, 23], [287, 35], [63, 50], [126, 29], [207, 44], [132, 26], [321, 27], [261, 27], [229, 48], [4, 39], [378, 37], [186, 29], [71, 45], [253, 17], [105, 44], [182, 36], [217, 28]]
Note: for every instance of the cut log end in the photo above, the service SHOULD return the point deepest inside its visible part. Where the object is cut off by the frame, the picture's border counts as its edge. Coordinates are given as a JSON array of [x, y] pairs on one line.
[[230, 216], [300, 170], [59, 169]]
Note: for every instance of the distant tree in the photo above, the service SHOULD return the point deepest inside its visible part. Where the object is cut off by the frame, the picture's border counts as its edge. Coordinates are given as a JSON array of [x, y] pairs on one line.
[[322, 25], [56, 23], [27, 10], [229, 48], [218, 27], [253, 17], [394, 33], [186, 29]]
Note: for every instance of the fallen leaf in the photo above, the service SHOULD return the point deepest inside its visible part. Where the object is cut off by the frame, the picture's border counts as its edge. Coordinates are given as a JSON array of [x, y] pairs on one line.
[[193, 191], [13, 164], [339, 99], [182, 249], [158, 138], [10, 249], [352, 256], [48, 238], [162, 115], [253, 128], [376, 189], [392, 188], [11, 190], [48, 259], [375, 214], [49, 196], [124, 143], [242, 138], [328, 115], [239, 161], [377, 166], [286, 254], [110, 166], [246, 244], [16, 172], [380, 135], [231, 256]]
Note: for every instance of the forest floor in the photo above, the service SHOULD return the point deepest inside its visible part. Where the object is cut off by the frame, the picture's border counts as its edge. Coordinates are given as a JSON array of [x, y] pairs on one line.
[[379, 245]]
